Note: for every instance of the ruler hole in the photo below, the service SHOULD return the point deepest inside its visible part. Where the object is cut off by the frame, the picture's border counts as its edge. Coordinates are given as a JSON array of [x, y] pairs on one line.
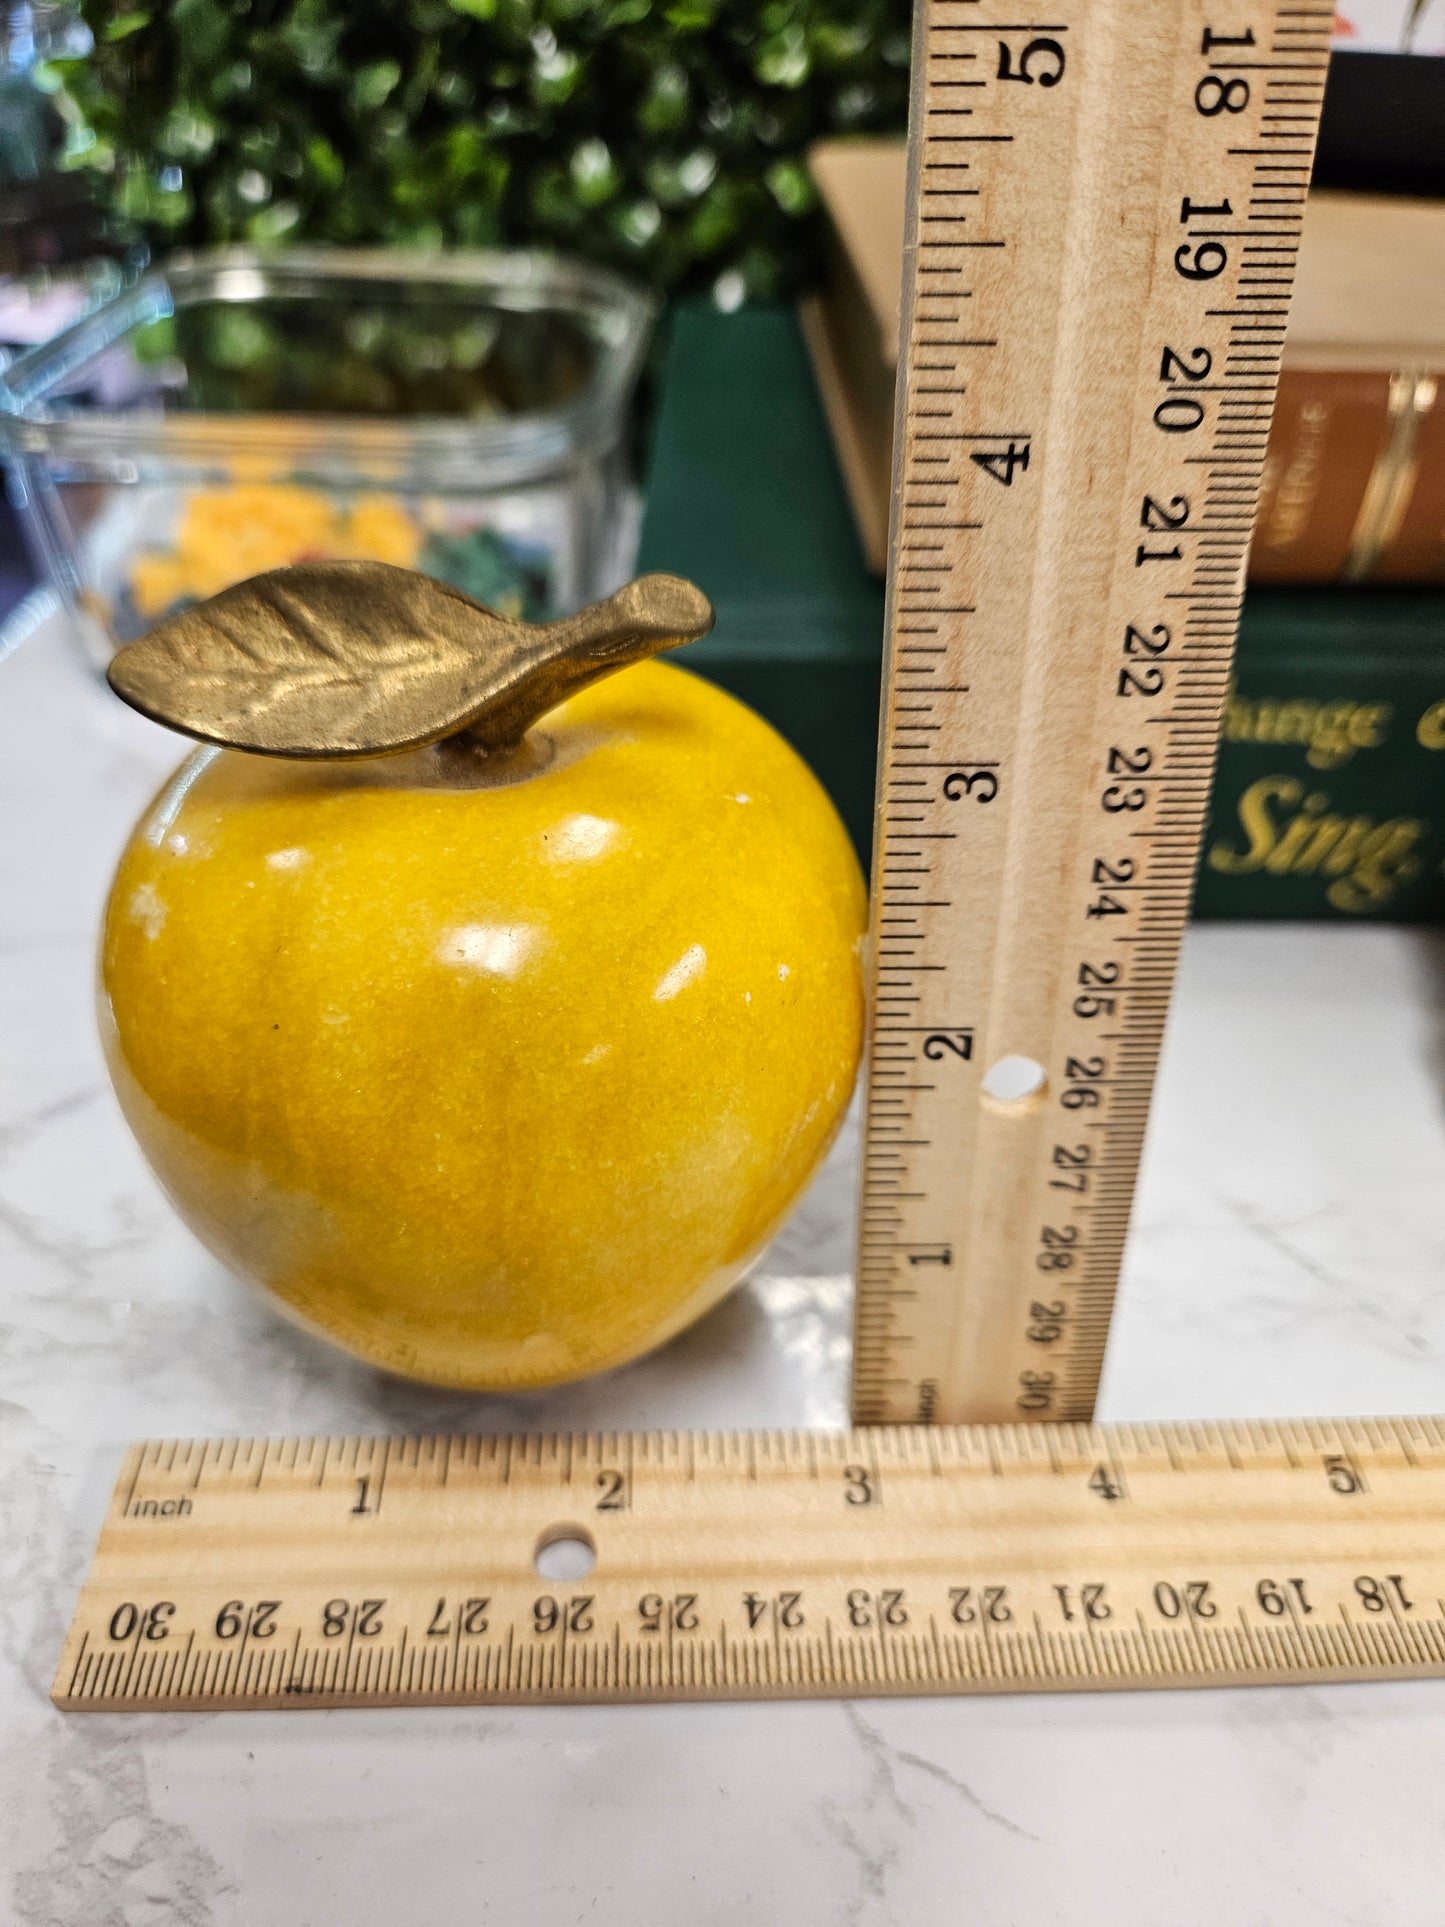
[[1014, 1085], [565, 1552]]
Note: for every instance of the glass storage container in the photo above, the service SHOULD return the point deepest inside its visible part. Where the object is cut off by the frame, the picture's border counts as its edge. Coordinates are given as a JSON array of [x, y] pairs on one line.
[[460, 413]]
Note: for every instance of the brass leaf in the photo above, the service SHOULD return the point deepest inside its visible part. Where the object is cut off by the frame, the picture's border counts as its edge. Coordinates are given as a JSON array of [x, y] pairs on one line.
[[358, 658]]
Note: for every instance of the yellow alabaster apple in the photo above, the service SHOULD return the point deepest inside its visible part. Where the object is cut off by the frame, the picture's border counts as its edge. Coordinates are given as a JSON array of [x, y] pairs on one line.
[[498, 1068]]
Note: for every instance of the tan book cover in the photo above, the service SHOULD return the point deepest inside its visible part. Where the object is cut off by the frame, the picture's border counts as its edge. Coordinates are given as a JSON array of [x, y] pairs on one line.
[[1355, 474]]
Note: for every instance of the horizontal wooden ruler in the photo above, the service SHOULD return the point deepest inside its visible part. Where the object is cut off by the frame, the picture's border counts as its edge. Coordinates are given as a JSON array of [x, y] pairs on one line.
[[1104, 207], [349, 1572]]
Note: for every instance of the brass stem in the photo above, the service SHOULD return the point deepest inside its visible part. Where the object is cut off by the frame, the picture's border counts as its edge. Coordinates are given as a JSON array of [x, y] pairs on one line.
[[558, 659]]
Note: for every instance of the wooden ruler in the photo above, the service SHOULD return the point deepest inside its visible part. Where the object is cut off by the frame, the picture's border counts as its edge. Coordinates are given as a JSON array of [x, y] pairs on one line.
[[329, 1572], [1104, 205]]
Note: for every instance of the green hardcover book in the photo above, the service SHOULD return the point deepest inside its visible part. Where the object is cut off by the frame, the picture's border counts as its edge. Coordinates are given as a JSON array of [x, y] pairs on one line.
[[1330, 796], [1329, 799]]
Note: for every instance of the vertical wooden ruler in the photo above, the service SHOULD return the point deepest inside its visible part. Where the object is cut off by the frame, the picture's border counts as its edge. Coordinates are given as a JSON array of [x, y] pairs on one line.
[[1104, 208]]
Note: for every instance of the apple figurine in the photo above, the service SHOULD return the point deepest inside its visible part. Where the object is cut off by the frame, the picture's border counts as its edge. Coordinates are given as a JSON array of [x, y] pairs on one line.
[[487, 1008]]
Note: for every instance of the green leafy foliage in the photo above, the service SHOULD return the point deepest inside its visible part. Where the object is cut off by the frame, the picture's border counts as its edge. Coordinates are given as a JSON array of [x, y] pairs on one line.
[[663, 136]]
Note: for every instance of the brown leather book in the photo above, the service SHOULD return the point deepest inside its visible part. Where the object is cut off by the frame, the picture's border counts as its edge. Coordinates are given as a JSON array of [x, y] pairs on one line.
[[1354, 483], [1354, 480]]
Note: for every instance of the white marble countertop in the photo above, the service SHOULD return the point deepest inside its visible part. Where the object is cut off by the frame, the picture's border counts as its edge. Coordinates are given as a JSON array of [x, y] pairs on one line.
[[1289, 1257]]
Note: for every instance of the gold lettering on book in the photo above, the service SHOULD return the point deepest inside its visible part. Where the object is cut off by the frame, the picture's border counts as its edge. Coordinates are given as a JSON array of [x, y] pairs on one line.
[[1291, 493], [1329, 733], [1290, 833]]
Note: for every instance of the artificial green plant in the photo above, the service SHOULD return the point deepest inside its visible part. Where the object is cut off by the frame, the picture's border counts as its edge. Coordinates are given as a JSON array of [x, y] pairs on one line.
[[667, 139]]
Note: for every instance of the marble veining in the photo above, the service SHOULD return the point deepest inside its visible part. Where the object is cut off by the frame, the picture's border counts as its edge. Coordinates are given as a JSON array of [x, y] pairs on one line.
[[1289, 1257]]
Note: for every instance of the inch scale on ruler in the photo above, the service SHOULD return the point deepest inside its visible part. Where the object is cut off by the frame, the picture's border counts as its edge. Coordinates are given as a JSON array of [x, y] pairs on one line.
[[316, 1572], [1104, 207]]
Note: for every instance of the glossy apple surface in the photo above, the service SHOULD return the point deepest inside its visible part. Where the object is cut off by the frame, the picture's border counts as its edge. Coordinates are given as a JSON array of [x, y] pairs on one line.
[[498, 1071]]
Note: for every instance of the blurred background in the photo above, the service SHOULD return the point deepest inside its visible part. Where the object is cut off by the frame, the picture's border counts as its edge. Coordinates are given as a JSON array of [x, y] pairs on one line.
[[530, 293]]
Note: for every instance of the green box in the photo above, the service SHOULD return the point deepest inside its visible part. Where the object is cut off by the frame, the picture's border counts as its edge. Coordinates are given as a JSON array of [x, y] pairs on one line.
[[1330, 794], [745, 497]]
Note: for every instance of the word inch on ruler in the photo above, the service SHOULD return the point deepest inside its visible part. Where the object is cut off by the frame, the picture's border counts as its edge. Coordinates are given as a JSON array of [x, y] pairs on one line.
[[1104, 209], [336, 1572]]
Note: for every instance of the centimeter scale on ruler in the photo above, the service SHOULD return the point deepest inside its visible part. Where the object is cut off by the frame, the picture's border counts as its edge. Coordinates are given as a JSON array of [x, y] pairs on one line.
[[1104, 208], [314, 1572]]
